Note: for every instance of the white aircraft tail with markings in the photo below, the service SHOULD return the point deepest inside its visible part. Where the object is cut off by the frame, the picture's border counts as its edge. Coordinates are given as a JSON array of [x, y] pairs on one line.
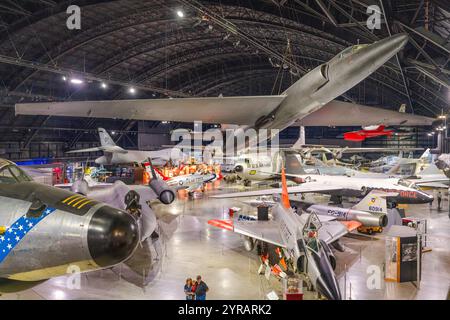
[[374, 202]]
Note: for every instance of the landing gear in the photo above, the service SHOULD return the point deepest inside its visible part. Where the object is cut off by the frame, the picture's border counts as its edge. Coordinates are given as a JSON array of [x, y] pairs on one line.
[[247, 183]]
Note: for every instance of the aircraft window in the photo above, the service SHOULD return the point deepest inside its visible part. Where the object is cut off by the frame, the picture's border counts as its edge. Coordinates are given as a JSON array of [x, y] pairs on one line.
[[345, 52], [19, 174], [6, 176], [11, 174], [406, 183], [310, 233]]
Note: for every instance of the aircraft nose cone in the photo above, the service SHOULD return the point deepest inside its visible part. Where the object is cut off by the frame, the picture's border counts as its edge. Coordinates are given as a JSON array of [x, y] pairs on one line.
[[396, 42], [113, 235], [238, 169], [385, 49], [426, 198], [328, 287], [370, 58]]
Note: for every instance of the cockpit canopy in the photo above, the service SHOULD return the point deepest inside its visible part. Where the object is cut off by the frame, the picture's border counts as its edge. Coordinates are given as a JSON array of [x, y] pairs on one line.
[[310, 233], [351, 49], [406, 183], [10, 173]]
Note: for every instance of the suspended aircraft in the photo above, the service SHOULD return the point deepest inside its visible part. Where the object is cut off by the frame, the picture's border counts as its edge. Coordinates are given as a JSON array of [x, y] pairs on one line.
[[368, 132], [309, 101]]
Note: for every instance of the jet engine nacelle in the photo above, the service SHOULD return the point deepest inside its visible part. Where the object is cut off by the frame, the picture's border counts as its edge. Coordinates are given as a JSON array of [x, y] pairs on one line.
[[249, 243], [369, 219], [163, 191]]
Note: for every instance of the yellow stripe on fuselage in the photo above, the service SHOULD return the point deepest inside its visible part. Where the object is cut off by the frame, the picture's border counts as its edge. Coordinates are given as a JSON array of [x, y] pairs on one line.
[[82, 205], [74, 196], [75, 199]]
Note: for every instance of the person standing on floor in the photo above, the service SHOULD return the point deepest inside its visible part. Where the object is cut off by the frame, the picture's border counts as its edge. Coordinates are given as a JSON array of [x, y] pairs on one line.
[[201, 290], [188, 289]]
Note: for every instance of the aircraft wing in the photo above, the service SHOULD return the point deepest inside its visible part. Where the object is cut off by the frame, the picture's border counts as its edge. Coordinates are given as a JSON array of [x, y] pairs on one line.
[[433, 184], [267, 231], [332, 231], [308, 187], [339, 113], [110, 149], [233, 110], [96, 149], [228, 110], [349, 225], [384, 150]]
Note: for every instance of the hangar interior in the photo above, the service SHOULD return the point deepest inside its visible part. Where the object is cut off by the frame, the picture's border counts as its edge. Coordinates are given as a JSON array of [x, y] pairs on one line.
[[154, 50]]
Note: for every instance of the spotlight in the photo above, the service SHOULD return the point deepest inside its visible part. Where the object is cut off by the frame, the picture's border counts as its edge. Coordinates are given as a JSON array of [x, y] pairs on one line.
[[113, 133], [104, 85], [64, 78], [76, 81], [180, 13], [132, 90]]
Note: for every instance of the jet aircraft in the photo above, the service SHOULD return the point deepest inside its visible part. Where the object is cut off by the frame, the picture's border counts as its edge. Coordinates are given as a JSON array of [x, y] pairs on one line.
[[309, 101], [368, 132], [304, 239], [113, 154], [44, 230]]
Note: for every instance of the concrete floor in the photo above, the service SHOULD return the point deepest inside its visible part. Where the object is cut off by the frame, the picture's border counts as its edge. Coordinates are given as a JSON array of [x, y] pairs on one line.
[[231, 272]]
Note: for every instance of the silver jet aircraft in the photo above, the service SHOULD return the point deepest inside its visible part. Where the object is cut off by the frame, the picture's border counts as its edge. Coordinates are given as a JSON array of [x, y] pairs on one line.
[[113, 154], [371, 211], [189, 182], [304, 238], [309, 101], [44, 230]]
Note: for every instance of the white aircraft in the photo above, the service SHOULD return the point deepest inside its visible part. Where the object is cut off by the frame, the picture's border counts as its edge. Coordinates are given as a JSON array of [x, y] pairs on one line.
[[113, 154], [371, 211], [309, 101], [407, 192], [189, 182]]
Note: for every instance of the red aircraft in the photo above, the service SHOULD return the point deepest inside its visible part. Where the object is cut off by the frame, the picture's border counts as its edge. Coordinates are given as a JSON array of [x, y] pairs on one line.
[[368, 132]]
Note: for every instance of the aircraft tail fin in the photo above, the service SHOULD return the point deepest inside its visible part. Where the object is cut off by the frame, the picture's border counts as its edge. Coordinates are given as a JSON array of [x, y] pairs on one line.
[[425, 155], [284, 194], [374, 202], [301, 139], [158, 173], [431, 169], [293, 163], [105, 138]]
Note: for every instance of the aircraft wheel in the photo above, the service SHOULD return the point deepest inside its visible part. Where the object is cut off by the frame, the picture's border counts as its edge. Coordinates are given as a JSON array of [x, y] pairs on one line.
[[369, 231]]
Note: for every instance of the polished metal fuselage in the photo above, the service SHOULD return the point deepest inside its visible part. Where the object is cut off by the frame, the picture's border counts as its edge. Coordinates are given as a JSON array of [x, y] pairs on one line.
[[50, 247]]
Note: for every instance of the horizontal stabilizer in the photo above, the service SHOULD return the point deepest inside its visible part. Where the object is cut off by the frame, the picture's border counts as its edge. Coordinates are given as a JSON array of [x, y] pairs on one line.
[[351, 225]]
